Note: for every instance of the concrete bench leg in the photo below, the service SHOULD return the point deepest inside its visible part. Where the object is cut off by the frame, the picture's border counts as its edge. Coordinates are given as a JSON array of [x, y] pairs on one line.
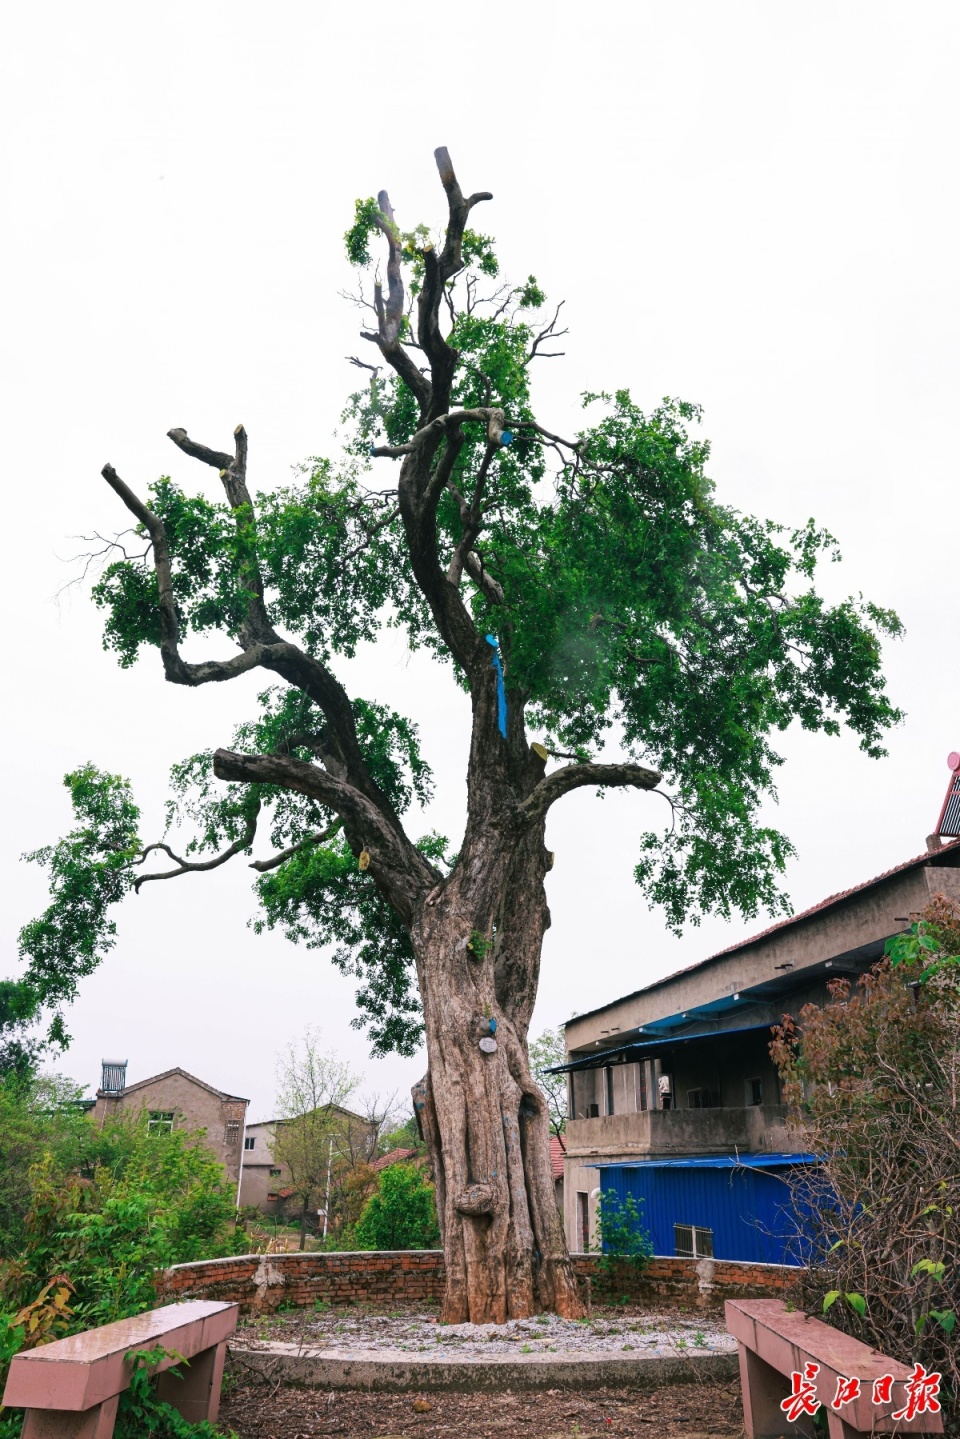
[[762, 1387], [95, 1423], [838, 1427], [196, 1395]]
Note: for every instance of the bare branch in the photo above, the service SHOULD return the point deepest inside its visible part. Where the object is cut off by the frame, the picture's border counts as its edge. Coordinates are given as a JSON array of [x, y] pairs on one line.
[[575, 445], [472, 515], [575, 776], [451, 259], [186, 866], [547, 333], [362, 364], [276, 860], [390, 312], [483, 579], [217, 458]]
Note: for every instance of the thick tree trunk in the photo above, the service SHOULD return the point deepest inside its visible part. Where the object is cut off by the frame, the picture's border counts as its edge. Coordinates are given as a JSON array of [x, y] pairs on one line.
[[481, 1111]]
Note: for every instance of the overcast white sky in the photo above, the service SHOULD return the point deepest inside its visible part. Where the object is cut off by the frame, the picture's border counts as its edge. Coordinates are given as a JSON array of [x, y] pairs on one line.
[[750, 205]]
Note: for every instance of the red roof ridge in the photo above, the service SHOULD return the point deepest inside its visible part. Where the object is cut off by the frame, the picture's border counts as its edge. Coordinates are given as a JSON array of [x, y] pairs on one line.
[[392, 1156]]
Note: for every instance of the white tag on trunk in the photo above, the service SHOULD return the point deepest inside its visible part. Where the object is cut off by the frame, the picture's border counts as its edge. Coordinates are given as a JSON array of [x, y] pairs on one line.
[[488, 1045]]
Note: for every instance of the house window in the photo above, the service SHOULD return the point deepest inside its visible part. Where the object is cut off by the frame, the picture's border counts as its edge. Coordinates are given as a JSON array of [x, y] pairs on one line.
[[160, 1121], [274, 1174], [593, 1111], [691, 1242], [583, 1221], [609, 1078], [249, 1142], [754, 1091], [231, 1133], [695, 1099]]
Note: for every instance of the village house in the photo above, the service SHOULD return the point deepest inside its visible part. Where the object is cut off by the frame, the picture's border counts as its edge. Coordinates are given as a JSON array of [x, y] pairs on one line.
[[265, 1180], [176, 1100], [672, 1095]]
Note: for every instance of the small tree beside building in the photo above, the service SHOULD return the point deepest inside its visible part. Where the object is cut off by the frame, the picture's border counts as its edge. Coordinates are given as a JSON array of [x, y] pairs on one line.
[[547, 1052], [314, 1087]]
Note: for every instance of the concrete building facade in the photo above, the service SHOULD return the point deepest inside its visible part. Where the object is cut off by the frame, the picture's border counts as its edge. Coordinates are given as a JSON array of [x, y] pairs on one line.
[[681, 1067], [262, 1177], [177, 1100]]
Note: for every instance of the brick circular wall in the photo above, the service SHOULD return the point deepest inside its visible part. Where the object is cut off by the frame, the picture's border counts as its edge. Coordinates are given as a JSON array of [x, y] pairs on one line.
[[263, 1282]]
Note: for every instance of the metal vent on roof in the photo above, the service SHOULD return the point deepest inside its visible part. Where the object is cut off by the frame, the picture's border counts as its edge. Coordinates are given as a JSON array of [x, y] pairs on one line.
[[948, 825], [113, 1075]]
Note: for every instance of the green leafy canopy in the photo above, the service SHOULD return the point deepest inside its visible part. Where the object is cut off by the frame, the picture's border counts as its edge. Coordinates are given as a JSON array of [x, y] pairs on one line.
[[634, 611]]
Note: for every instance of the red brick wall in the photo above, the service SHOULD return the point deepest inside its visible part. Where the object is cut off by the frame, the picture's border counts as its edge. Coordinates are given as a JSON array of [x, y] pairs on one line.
[[263, 1282]]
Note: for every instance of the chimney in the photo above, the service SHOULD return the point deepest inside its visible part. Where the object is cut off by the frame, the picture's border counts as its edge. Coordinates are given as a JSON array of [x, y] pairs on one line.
[[113, 1076], [948, 825]]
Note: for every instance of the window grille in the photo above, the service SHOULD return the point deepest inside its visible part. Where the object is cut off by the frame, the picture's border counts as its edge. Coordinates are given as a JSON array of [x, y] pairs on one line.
[[231, 1133], [692, 1242], [160, 1121]]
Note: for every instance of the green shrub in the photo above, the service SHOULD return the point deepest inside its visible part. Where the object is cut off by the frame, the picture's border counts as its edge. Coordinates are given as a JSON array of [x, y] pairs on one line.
[[38, 1117], [625, 1245], [402, 1214], [105, 1209]]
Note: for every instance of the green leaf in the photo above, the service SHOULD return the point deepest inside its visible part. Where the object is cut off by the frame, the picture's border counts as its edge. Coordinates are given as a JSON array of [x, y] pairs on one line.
[[934, 1267], [830, 1299], [857, 1303]]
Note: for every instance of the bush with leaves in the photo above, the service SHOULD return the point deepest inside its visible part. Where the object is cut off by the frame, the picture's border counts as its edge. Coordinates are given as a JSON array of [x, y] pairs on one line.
[[95, 1234], [38, 1116], [402, 1214], [624, 1244], [873, 1081]]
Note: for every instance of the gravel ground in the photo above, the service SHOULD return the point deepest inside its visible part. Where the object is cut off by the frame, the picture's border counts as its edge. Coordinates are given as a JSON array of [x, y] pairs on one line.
[[605, 1331], [681, 1411]]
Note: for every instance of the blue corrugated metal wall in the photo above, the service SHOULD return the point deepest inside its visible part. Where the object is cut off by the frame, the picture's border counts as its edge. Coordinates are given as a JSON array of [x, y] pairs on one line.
[[748, 1210]]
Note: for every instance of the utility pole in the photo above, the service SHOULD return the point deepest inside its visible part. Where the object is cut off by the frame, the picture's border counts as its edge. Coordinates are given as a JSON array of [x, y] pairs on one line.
[[326, 1202]]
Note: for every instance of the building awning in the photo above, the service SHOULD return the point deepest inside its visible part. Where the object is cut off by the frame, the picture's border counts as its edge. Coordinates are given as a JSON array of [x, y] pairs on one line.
[[639, 1049], [710, 1161]]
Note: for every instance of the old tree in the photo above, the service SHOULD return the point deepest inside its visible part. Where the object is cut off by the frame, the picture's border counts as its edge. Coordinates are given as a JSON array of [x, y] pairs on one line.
[[591, 596]]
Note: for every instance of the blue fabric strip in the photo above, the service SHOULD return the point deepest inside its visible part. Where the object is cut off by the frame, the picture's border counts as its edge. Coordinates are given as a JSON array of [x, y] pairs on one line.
[[501, 690]]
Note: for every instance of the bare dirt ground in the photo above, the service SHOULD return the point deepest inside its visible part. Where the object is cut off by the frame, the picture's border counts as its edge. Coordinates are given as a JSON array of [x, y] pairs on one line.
[[679, 1411]]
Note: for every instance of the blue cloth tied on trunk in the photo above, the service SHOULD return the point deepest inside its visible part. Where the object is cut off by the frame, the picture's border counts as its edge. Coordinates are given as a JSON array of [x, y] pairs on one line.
[[501, 691]]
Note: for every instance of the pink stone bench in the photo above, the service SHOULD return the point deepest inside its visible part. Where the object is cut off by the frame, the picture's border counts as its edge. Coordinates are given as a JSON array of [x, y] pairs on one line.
[[774, 1342], [71, 1388]]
